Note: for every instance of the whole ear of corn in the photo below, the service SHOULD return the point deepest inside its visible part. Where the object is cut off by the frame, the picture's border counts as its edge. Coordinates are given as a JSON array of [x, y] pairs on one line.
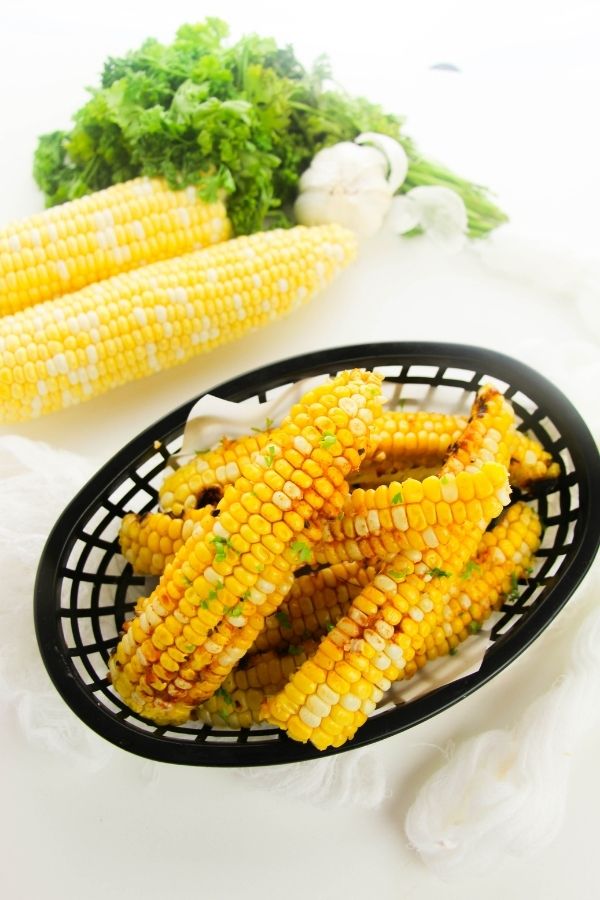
[[83, 241], [66, 350]]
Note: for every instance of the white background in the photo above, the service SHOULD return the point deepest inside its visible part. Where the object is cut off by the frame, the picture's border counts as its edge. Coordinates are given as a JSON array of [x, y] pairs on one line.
[[520, 116]]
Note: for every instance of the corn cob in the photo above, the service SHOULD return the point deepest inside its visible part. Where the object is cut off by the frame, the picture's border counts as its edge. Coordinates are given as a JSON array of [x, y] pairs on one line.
[[173, 656], [490, 577], [379, 642], [78, 346], [470, 492], [83, 241]]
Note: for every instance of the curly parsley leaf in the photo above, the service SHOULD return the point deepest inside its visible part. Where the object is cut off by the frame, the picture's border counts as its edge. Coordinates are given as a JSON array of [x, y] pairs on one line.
[[241, 121], [302, 550]]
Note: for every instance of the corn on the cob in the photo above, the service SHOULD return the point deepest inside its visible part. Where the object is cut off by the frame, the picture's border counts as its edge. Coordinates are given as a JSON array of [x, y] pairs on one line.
[[173, 656], [391, 630], [83, 241], [80, 345]]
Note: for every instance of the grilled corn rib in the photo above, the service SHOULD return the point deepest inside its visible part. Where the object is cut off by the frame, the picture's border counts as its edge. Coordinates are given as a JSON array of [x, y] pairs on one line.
[[204, 479], [392, 630], [172, 655], [475, 479], [150, 541], [409, 440], [468, 601]]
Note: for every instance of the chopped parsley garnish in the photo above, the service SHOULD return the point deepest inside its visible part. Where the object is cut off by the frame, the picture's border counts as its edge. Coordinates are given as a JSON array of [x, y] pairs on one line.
[[453, 651], [398, 575], [439, 573], [398, 498], [221, 545], [269, 456], [330, 626], [235, 611], [513, 593], [328, 440], [470, 567], [283, 618], [294, 650], [474, 627], [268, 426], [301, 550]]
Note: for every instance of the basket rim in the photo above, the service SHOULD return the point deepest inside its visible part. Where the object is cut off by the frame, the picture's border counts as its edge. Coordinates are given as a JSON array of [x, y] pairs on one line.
[[586, 459]]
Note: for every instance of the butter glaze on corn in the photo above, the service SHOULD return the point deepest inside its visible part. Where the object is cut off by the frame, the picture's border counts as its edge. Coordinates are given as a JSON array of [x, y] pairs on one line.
[[135, 324], [228, 579], [114, 230]]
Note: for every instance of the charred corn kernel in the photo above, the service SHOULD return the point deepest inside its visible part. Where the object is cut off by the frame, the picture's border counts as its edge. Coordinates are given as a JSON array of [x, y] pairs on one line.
[[171, 310], [402, 654], [83, 241], [201, 480], [212, 560]]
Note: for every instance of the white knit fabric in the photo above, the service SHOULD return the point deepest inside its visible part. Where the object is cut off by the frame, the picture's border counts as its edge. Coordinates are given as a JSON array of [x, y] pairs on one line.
[[36, 482], [504, 792]]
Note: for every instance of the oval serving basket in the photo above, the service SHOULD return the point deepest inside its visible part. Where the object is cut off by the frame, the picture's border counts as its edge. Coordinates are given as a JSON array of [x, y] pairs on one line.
[[84, 590]]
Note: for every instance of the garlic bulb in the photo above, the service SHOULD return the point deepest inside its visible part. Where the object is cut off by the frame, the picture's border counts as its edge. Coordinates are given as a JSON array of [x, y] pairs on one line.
[[438, 211], [352, 184]]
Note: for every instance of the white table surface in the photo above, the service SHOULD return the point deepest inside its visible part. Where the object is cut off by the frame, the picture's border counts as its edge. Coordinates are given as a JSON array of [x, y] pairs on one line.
[[519, 116]]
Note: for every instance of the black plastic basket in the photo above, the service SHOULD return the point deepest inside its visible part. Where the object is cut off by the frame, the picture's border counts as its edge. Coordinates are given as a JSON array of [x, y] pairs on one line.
[[84, 589]]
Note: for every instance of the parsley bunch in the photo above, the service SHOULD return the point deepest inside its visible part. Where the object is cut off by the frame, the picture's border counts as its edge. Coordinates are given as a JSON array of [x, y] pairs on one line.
[[240, 121]]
